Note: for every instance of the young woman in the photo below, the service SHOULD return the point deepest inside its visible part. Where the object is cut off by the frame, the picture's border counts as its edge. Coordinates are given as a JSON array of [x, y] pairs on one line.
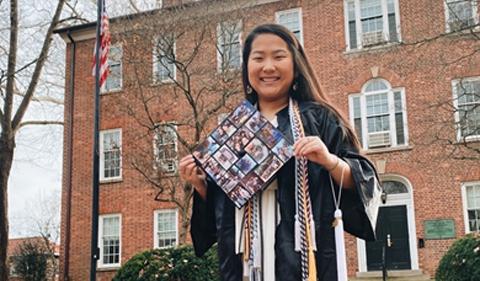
[[285, 232]]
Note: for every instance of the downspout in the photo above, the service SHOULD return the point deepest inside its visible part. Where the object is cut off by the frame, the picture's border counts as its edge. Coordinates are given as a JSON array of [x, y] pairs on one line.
[[68, 211]]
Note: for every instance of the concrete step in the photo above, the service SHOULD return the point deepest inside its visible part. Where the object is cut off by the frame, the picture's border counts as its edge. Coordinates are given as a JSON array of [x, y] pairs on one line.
[[393, 275]]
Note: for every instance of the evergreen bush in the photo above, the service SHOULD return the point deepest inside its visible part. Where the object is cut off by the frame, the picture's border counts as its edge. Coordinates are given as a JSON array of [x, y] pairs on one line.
[[172, 264], [462, 260]]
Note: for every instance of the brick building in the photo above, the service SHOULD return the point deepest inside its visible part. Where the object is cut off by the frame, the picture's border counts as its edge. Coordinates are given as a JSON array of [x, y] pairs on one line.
[[407, 73]]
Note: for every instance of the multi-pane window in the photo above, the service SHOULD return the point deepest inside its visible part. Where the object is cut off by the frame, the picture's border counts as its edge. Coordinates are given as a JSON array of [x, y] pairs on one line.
[[164, 59], [165, 148], [371, 22], [466, 94], [228, 45], [111, 154], [378, 115], [460, 14], [291, 19], [114, 78], [109, 242], [472, 206], [165, 228]]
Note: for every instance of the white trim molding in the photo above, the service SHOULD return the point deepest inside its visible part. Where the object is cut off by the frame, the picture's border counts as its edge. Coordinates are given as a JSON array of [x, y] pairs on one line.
[[402, 199]]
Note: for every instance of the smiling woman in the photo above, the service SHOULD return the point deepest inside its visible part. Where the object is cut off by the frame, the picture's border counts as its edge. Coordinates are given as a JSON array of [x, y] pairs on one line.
[[270, 70], [284, 232]]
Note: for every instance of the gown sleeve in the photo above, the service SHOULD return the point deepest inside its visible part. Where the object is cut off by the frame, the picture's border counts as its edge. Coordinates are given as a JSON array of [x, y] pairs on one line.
[[360, 204], [202, 223]]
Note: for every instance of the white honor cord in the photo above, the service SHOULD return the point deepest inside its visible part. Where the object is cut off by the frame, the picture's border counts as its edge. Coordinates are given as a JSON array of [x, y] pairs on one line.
[[339, 234], [296, 226]]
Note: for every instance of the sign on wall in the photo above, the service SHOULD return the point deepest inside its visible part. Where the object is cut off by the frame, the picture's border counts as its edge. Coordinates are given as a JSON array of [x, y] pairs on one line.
[[439, 229]]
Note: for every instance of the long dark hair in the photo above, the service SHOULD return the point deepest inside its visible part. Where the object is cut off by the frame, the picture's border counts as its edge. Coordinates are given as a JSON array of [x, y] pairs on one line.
[[307, 86]]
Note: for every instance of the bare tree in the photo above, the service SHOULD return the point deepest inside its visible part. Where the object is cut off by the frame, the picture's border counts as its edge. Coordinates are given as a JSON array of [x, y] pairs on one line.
[[23, 80], [180, 103]]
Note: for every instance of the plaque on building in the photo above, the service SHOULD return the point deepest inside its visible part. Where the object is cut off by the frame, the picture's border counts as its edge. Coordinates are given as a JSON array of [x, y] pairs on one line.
[[439, 229]]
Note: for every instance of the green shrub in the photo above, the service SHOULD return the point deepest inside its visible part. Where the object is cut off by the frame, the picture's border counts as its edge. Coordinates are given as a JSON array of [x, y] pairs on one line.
[[462, 260], [172, 264]]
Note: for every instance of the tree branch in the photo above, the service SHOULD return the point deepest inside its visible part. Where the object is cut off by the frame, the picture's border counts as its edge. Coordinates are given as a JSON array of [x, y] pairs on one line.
[[38, 68], [36, 122], [12, 61]]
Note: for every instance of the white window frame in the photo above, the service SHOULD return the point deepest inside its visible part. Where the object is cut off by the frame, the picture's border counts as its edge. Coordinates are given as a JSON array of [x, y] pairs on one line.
[[100, 263], [219, 46], [155, 150], [358, 25], [102, 156], [474, 4], [455, 83], [391, 112], [155, 227], [465, 204], [156, 62], [298, 11], [104, 89]]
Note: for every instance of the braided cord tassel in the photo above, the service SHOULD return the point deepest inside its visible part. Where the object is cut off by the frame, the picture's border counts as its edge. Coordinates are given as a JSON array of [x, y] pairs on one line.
[[304, 210], [247, 231]]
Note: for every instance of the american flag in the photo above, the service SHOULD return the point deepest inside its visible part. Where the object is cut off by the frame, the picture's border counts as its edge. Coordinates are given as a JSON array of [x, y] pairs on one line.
[[105, 41]]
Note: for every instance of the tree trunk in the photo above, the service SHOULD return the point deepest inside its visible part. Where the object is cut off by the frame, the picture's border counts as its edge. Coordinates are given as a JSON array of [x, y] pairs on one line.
[[184, 224], [7, 144]]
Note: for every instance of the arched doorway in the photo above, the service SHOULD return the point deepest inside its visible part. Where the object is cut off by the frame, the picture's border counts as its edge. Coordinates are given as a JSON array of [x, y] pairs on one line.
[[396, 221]]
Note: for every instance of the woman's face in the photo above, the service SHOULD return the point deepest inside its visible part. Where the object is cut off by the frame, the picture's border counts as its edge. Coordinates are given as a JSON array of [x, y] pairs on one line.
[[270, 67]]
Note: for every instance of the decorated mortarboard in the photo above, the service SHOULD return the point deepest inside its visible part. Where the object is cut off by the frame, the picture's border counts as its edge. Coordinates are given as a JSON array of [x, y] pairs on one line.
[[243, 153]]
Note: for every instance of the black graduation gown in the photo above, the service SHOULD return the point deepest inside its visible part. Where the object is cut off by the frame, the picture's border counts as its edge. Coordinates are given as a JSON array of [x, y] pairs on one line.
[[213, 219]]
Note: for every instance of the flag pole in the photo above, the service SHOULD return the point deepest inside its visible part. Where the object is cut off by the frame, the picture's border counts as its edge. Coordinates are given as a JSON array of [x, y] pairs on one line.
[[95, 186]]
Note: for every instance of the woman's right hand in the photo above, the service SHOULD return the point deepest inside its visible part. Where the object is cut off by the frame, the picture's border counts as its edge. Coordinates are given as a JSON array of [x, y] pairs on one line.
[[194, 175]]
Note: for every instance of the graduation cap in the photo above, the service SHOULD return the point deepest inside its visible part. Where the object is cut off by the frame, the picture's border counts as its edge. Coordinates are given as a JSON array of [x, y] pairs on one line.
[[243, 153]]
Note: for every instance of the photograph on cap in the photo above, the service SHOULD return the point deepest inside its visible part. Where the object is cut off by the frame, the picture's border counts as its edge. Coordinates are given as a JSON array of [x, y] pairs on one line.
[[213, 169], [239, 140], [225, 157], [268, 168], [283, 150], [239, 196], [246, 164], [257, 150], [224, 131], [241, 114], [252, 183], [206, 149], [228, 181], [256, 122], [269, 135]]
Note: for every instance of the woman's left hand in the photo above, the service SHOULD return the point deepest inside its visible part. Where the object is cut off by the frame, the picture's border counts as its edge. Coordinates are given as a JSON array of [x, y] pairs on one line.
[[313, 148]]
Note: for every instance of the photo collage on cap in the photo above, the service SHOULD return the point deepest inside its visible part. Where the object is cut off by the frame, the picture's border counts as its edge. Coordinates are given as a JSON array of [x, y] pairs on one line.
[[243, 153]]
